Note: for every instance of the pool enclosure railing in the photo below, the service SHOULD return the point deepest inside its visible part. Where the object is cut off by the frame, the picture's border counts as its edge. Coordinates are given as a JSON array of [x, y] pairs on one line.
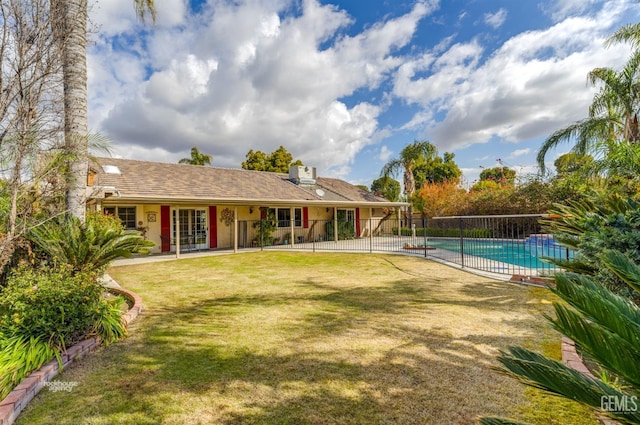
[[506, 244]]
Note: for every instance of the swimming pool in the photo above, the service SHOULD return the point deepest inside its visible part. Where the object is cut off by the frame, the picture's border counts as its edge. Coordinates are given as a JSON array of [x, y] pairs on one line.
[[520, 253]]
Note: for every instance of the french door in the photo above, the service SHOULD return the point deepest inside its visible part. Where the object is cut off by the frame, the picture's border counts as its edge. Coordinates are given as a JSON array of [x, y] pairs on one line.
[[193, 229]]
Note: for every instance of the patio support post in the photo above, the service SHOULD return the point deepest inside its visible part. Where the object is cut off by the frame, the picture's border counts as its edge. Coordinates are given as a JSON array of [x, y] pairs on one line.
[[262, 232], [235, 229], [335, 225], [177, 229], [370, 229], [292, 222], [313, 235]]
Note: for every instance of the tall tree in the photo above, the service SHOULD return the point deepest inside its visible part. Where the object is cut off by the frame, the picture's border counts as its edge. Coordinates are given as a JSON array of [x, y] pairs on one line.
[[277, 161], [437, 170], [501, 175], [30, 97], [613, 114], [411, 157], [386, 187], [74, 30], [197, 158]]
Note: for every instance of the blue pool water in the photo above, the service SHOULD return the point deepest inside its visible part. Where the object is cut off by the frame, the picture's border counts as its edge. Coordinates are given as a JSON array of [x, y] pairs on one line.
[[519, 253]]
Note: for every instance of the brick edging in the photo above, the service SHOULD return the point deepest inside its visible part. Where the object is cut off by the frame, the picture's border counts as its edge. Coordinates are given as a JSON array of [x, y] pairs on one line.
[[23, 393], [571, 358]]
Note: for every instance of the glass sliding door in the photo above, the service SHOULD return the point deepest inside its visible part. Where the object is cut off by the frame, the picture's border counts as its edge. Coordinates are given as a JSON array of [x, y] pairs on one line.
[[193, 229]]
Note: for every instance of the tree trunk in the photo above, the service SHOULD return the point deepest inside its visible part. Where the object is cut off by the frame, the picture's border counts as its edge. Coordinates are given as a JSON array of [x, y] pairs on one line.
[[409, 189], [76, 126]]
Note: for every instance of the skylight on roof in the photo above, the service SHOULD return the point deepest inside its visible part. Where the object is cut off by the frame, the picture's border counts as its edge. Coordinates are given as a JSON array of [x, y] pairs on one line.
[[111, 169]]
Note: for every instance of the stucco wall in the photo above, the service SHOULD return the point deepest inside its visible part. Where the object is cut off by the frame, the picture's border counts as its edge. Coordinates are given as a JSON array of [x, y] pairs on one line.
[[149, 218]]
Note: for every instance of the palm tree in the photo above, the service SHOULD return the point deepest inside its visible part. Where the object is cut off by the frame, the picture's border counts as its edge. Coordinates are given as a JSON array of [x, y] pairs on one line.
[[197, 158], [410, 157], [613, 114], [627, 33], [74, 51]]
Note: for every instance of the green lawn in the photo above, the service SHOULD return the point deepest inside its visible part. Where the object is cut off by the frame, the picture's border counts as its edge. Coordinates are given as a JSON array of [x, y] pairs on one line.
[[309, 338]]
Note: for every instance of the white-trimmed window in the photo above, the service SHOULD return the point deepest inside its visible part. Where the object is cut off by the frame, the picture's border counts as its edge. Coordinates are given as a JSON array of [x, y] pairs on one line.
[[283, 216], [127, 215]]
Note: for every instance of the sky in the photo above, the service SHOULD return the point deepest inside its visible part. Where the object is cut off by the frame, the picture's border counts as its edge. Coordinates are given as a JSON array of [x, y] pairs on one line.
[[345, 85]]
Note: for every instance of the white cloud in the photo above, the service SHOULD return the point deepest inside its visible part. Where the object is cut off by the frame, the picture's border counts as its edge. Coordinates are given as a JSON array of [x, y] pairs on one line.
[[519, 152], [245, 75], [257, 74], [384, 154], [496, 19], [532, 85], [559, 10]]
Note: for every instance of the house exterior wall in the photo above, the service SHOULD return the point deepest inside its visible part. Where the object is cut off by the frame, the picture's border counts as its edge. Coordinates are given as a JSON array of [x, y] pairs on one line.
[[157, 227]]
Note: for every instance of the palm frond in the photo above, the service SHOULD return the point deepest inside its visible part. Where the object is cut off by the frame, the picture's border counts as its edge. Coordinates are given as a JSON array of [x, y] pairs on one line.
[[608, 348], [623, 267], [391, 168], [538, 371], [585, 132], [145, 8], [627, 33], [617, 313]]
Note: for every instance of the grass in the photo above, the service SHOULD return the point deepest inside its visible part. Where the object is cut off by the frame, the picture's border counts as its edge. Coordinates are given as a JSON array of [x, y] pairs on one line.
[[304, 338]]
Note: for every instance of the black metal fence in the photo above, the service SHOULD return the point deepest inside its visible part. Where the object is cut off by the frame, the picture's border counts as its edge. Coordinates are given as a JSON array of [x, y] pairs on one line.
[[510, 244]]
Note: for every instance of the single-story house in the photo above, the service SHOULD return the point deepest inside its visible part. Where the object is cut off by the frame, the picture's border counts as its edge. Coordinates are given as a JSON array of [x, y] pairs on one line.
[[183, 207]]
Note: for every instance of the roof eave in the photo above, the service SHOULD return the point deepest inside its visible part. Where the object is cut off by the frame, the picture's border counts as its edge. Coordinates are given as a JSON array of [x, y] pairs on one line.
[[250, 201]]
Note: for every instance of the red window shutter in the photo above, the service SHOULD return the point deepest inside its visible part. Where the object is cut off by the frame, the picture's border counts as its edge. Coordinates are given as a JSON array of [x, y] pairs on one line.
[[165, 227], [305, 217], [213, 227], [263, 213], [357, 222]]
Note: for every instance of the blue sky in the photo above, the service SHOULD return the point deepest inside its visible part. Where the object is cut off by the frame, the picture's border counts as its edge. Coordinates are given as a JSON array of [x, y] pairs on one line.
[[345, 85]]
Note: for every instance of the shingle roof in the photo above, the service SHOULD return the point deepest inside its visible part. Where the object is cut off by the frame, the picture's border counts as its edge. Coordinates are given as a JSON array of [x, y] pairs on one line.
[[154, 180]]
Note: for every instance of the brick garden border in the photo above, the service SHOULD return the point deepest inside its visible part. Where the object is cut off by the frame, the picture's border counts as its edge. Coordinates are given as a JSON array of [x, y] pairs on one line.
[[571, 358], [22, 394]]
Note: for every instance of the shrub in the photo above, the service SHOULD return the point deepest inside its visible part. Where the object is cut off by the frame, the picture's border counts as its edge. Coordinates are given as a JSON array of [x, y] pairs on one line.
[[345, 230], [44, 311], [265, 228], [19, 355], [591, 227], [56, 304], [89, 246], [443, 232], [108, 324]]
